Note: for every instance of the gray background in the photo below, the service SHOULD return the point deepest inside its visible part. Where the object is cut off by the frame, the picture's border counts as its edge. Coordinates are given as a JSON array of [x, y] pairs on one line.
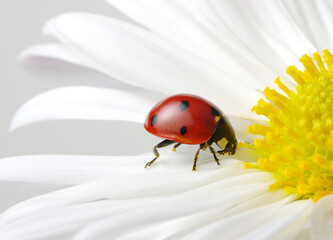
[[21, 24]]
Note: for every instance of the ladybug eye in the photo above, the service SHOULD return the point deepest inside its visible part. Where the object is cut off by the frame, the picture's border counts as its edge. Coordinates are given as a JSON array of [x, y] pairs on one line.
[[183, 130], [184, 105], [153, 120]]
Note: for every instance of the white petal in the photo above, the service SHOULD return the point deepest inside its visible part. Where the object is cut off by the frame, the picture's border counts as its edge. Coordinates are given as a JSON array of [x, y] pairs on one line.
[[276, 28], [147, 216], [52, 50], [199, 226], [295, 230], [51, 222], [71, 169], [321, 221], [141, 58], [76, 169], [64, 222], [314, 19], [149, 184], [303, 234], [273, 220], [292, 215], [68, 169], [56, 27], [228, 29], [176, 21], [84, 103], [58, 223]]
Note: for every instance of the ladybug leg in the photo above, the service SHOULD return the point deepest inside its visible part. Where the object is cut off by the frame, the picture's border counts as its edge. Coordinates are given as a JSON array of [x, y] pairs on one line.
[[175, 146], [212, 150], [164, 143], [197, 156], [228, 149]]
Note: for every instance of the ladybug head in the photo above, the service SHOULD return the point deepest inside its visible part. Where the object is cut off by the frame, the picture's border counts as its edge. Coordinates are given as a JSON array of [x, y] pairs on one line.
[[224, 136]]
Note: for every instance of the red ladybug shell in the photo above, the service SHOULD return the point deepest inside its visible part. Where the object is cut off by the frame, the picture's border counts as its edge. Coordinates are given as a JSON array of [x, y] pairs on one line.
[[183, 118]]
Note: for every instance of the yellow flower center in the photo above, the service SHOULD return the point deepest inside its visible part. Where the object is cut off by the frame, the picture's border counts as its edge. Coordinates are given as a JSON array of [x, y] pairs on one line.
[[297, 142]]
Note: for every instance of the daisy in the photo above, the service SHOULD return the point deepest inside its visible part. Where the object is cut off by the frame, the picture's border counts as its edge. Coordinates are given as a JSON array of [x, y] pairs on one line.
[[226, 51]]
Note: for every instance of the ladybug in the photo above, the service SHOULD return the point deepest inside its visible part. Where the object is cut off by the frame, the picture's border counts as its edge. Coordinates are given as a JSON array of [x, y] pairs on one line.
[[190, 119]]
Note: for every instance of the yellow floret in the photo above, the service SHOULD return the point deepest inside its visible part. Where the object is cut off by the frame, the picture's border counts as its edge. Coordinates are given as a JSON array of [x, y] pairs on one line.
[[297, 142]]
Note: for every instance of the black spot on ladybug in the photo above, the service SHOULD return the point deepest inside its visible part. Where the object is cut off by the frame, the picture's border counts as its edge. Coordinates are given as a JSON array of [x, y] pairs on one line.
[[153, 120], [214, 112], [184, 105], [183, 130]]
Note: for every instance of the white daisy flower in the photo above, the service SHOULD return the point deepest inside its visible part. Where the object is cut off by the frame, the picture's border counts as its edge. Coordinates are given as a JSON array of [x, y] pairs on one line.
[[227, 52]]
